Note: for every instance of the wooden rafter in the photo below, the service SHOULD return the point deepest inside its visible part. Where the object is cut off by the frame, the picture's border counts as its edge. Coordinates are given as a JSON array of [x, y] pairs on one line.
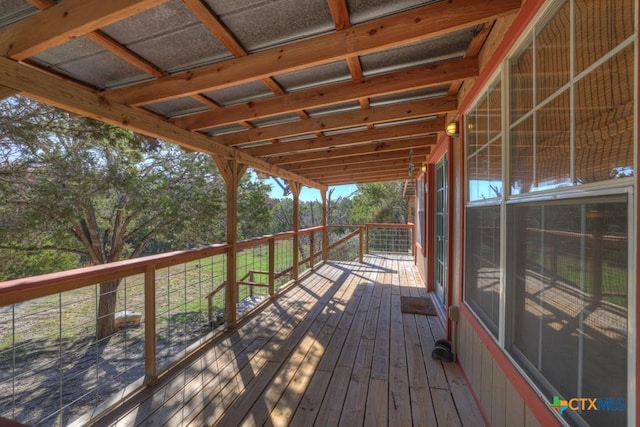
[[68, 96], [403, 28], [362, 178], [211, 21], [112, 45], [128, 55], [64, 21], [379, 160], [336, 141], [385, 84], [341, 20], [339, 13], [380, 147], [337, 171], [403, 111]]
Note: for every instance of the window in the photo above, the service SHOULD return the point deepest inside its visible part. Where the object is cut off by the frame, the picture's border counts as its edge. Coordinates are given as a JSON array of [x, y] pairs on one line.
[[482, 266], [550, 147], [550, 152], [485, 194], [570, 298]]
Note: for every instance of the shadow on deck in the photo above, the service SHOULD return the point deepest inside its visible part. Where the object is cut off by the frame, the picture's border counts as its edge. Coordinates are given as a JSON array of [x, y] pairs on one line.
[[334, 350]]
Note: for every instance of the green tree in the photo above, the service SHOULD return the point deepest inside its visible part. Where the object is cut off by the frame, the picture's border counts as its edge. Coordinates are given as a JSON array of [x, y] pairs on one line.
[[78, 186], [379, 202], [254, 215]]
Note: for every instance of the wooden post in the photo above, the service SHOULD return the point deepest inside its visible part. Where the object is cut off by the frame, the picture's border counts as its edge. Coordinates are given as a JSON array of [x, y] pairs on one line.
[[361, 257], [295, 190], [325, 235], [367, 237], [312, 249], [231, 171], [150, 369], [272, 266]]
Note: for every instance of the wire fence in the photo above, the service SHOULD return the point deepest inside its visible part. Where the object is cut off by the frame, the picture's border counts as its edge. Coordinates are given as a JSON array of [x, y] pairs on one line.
[[344, 243], [52, 367], [252, 273], [389, 240], [58, 360], [185, 311]]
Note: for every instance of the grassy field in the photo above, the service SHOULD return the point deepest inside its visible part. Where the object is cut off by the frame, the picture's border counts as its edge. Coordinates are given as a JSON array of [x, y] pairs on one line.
[[181, 294]]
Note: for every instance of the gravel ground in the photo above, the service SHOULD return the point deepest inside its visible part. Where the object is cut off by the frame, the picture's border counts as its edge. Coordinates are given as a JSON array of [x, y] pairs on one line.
[[54, 381]]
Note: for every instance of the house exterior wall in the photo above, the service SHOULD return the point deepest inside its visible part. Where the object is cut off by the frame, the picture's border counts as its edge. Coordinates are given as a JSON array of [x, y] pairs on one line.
[[506, 393]]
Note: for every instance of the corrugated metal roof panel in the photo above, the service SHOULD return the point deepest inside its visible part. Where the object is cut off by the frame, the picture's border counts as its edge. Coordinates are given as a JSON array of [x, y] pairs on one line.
[[177, 107], [170, 37], [333, 109], [84, 60], [14, 10], [450, 46], [314, 76], [366, 10], [240, 93], [276, 120], [260, 24], [412, 95], [222, 130]]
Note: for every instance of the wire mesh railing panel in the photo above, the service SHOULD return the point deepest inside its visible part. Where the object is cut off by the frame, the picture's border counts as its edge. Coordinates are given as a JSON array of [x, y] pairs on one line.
[[348, 250], [283, 261], [304, 252], [252, 274], [187, 306], [54, 365], [390, 240]]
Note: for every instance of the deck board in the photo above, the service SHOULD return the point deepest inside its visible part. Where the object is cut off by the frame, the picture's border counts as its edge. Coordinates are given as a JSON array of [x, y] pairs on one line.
[[333, 350]]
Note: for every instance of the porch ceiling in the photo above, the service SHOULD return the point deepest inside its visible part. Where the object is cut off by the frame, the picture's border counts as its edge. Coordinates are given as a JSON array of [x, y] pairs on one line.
[[321, 92]]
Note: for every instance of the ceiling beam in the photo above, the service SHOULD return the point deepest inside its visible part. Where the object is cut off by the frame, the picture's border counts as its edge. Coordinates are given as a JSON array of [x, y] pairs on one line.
[[357, 161], [379, 147], [64, 21], [360, 137], [359, 169], [400, 29], [73, 98], [408, 110], [361, 178], [384, 84]]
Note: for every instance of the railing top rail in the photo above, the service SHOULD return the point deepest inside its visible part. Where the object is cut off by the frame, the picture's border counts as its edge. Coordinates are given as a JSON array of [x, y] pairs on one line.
[[19, 290], [388, 225]]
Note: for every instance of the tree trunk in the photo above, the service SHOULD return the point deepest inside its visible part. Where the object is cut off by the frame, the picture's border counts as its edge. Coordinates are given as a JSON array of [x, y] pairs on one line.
[[105, 323]]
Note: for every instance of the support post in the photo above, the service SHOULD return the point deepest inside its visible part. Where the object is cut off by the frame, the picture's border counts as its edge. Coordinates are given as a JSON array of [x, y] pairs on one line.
[[295, 190], [272, 266], [325, 235], [361, 257], [231, 171], [312, 249], [150, 369]]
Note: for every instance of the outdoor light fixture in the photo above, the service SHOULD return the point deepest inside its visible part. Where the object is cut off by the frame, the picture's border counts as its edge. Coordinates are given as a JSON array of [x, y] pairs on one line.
[[452, 129]]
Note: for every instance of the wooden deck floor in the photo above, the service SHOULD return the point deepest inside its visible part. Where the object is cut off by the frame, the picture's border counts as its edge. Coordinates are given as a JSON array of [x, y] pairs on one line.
[[335, 350]]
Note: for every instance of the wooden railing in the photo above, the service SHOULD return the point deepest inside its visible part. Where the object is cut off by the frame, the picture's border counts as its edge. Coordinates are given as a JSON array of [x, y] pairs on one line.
[[180, 299]]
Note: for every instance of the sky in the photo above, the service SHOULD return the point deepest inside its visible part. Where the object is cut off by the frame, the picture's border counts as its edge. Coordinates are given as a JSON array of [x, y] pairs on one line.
[[307, 194]]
